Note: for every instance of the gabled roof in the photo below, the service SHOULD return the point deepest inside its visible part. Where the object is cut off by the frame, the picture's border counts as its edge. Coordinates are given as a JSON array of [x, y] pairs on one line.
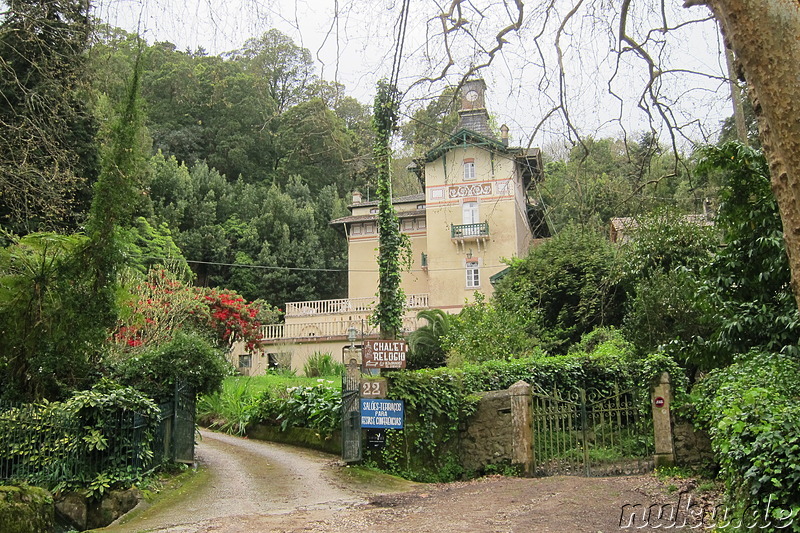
[[464, 137]]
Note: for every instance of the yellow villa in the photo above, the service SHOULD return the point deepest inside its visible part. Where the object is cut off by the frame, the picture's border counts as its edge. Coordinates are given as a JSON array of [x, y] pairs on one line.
[[475, 212]]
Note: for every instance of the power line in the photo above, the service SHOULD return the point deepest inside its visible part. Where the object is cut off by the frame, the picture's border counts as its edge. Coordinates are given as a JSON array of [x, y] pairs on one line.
[[307, 269]]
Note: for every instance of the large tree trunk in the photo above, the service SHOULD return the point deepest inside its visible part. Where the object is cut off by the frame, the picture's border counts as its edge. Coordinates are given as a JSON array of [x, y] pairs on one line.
[[765, 36]]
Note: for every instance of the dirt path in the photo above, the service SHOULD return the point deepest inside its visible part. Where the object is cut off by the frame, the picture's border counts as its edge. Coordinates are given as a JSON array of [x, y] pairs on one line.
[[247, 478], [256, 487]]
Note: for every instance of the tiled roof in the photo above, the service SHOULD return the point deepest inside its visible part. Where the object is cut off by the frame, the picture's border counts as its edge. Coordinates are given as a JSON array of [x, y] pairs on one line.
[[362, 218], [399, 200]]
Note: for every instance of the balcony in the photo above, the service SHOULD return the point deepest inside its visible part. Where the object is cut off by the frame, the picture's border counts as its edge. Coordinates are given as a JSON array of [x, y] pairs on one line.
[[465, 232], [324, 330], [346, 306]]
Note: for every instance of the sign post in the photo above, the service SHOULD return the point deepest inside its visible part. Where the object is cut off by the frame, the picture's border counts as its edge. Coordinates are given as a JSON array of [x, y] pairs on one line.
[[382, 414], [384, 354], [351, 417]]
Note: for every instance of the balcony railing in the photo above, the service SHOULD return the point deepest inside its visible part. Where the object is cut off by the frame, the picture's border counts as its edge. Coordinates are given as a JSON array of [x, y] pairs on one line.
[[312, 330], [469, 231], [347, 305]]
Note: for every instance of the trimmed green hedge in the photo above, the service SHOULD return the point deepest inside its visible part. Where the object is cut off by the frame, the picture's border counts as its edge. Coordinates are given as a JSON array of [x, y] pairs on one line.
[[439, 401]]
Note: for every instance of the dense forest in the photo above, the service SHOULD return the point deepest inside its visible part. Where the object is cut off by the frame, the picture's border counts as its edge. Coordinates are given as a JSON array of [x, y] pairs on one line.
[[248, 155]]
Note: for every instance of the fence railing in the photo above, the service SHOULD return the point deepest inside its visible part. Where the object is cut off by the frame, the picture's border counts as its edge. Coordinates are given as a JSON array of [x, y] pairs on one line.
[[347, 305], [465, 231], [337, 328], [48, 446]]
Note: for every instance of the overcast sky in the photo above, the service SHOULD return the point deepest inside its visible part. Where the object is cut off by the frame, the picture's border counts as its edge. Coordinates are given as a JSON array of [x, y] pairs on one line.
[[356, 48]]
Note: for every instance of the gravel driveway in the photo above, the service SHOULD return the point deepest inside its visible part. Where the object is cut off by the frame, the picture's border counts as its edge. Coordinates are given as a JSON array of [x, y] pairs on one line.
[[258, 487]]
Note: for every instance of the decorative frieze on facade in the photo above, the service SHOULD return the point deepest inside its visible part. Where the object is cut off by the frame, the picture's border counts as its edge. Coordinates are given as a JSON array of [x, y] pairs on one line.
[[469, 190]]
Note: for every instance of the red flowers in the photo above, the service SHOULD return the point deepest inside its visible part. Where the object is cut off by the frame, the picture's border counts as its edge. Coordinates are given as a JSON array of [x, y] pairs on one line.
[[232, 317], [163, 304]]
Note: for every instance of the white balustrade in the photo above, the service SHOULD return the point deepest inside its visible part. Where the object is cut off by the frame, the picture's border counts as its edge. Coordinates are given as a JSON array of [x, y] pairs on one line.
[[333, 328], [347, 305]]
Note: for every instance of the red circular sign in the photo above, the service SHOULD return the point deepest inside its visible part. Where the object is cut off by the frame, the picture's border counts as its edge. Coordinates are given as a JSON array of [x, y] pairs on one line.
[[659, 401]]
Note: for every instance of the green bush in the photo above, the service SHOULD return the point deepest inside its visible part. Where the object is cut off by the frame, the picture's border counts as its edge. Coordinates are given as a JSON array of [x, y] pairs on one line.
[[484, 331], [321, 365], [230, 409], [318, 407], [188, 357], [565, 288], [96, 440], [751, 411]]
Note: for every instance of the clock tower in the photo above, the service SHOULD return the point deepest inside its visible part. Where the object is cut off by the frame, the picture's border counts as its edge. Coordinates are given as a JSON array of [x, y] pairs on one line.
[[473, 115], [472, 95]]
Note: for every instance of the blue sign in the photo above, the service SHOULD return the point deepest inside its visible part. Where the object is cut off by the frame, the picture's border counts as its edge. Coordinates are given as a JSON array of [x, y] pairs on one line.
[[387, 414]]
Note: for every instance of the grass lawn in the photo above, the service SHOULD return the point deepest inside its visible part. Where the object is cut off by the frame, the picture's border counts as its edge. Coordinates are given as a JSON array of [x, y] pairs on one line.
[[239, 402], [277, 383]]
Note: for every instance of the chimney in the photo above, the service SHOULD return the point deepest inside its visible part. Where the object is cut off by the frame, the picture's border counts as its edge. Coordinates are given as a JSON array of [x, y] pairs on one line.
[[357, 198], [504, 135]]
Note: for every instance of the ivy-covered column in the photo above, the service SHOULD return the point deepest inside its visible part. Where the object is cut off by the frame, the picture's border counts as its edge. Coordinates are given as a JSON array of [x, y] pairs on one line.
[[393, 249]]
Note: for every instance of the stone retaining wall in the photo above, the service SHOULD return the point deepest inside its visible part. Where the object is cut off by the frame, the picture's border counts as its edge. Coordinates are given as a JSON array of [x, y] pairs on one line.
[[692, 446], [499, 432], [25, 509]]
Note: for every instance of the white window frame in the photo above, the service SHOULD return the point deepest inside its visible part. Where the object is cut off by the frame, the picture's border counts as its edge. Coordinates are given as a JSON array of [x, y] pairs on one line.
[[469, 170], [470, 212], [472, 271]]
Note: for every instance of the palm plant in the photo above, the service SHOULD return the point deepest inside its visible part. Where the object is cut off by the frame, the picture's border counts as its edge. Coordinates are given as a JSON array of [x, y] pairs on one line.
[[425, 344]]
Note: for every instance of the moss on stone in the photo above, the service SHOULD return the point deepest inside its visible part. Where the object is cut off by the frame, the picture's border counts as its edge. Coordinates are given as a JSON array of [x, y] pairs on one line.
[[24, 509]]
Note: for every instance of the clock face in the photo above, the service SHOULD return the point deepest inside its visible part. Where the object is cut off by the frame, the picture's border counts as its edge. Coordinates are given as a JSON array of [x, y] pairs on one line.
[[472, 96]]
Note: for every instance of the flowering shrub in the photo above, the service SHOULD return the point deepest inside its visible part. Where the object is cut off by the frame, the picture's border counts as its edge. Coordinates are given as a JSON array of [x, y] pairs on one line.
[[162, 304], [230, 316]]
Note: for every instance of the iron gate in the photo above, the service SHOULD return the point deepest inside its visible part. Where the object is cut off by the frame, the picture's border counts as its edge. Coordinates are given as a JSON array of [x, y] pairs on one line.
[[351, 413], [174, 440], [592, 433]]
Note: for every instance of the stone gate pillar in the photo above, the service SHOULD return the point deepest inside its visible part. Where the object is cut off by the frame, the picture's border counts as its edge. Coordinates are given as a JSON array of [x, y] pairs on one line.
[[521, 419], [661, 397]]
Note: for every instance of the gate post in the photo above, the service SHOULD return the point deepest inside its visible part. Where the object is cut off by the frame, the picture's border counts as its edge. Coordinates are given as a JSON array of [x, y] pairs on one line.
[[661, 396], [522, 426], [351, 407]]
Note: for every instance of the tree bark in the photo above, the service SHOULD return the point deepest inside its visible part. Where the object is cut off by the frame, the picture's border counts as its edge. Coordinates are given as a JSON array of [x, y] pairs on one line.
[[765, 37]]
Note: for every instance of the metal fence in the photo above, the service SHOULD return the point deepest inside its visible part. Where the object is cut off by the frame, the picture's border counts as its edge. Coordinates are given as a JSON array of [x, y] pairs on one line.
[[46, 445], [592, 433], [175, 432]]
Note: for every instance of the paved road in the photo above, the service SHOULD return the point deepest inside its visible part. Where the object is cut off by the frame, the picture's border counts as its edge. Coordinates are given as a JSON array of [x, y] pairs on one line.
[[247, 479]]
